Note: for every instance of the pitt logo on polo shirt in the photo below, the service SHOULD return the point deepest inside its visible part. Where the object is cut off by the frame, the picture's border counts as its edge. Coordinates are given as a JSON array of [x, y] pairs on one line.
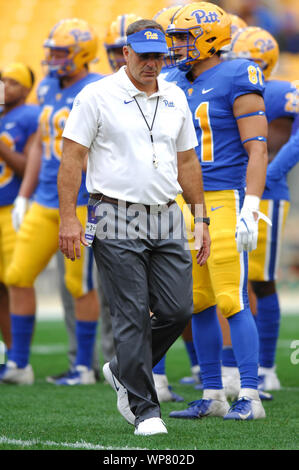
[[150, 35]]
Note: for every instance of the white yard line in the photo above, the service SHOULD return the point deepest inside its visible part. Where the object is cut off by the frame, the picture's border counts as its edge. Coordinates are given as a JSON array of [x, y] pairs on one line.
[[68, 445]]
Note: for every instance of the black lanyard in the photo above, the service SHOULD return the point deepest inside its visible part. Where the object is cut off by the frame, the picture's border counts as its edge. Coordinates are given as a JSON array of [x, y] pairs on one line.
[[150, 128]]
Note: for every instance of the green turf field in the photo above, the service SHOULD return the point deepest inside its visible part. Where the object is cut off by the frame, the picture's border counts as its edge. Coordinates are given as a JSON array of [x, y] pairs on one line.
[[45, 416]]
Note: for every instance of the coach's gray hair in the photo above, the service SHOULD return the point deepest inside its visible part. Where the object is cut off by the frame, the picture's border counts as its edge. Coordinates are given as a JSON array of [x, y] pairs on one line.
[[140, 25]]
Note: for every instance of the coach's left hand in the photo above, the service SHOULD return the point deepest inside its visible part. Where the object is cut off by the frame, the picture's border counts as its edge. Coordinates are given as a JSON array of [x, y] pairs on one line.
[[202, 242]]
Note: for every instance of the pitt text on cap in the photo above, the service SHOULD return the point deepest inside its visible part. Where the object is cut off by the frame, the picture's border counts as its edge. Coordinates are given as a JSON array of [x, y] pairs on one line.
[[147, 41]]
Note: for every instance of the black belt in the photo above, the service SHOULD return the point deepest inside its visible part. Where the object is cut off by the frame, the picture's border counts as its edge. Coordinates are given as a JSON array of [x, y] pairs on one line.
[[111, 200]]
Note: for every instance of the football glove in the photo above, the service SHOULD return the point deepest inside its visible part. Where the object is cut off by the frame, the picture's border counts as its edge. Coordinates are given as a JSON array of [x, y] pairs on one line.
[[247, 225], [20, 207]]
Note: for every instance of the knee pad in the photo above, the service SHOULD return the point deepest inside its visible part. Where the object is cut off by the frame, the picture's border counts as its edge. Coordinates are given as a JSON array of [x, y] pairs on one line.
[[17, 278], [227, 304]]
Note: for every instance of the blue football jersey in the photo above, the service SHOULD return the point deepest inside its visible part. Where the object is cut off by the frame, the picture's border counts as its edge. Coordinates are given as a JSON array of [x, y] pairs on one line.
[[211, 97], [56, 104], [295, 124], [281, 100], [16, 127]]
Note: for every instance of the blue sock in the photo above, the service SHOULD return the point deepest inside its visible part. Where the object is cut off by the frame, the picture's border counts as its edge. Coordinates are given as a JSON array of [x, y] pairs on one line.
[[268, 322], [21, 329], [8, 354], [207, 338], [159, 368], [245, 343], [228, 357], [189, 345], [86, 336]]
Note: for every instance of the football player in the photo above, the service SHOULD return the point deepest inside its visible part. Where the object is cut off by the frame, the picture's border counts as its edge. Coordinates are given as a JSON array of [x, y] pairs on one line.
[[286, 159], [226, 100], [282, 105], [164, 17], [70, 48], [116, 38], [18, 125]]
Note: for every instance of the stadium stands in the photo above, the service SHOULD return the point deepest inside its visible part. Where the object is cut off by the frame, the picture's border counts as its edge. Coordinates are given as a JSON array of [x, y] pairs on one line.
[[28, 22]]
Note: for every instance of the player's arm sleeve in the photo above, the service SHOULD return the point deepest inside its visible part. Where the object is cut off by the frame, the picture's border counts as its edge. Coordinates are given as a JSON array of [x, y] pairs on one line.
[[285, 160], [84, 119], [248, 78], [186, 139]]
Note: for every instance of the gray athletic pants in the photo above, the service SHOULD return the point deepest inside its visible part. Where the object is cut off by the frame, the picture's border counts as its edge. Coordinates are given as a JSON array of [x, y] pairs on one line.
[[151, 272]]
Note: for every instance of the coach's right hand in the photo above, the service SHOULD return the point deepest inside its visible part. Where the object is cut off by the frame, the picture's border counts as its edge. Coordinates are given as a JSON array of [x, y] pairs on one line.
[[71, 235]]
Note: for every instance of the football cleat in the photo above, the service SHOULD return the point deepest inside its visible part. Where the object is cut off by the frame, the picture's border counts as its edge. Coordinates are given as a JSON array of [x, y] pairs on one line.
[[245, 409], [268, 379], [51, 379], [175, 396], [122, 394], [81, 375], [265, 396], [201, 409], [12, 374], [150, 426], [195, 379], [164, 390]]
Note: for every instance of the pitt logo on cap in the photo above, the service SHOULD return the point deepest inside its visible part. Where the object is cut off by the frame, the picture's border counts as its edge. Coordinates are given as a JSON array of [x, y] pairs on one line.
[[150, 35]]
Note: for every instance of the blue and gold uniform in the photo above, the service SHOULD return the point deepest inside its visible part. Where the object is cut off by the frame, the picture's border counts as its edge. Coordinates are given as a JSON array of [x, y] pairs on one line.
[[281, 101], [224, 162], [41, 224], [16, 127]]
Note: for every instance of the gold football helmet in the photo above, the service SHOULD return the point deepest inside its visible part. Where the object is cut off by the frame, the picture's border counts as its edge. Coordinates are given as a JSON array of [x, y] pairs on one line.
[[256, 44], [205, 28], [237, 23], [116, 38], [164, 16], [79, 42]]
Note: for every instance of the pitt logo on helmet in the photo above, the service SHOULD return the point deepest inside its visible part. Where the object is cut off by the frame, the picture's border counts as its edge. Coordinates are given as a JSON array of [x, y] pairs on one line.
[[81, 35], [150, 35], [203, 17], [264, 45]]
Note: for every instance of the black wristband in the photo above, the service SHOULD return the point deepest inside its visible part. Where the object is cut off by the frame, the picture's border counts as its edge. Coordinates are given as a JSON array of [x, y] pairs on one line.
[[205, 220]]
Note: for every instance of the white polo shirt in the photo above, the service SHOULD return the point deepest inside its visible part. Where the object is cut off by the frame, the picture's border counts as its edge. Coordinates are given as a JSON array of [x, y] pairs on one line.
[[106, 119]]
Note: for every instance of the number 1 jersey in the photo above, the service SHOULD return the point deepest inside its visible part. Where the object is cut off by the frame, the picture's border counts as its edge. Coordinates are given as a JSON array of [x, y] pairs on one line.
[[211, 97]]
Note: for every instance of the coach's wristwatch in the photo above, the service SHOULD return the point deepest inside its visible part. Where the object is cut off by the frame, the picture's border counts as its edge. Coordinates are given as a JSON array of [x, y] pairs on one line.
[[205, 220]]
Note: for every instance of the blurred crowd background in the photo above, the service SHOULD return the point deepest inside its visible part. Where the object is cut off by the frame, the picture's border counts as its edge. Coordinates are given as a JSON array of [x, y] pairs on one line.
[[25, 24]]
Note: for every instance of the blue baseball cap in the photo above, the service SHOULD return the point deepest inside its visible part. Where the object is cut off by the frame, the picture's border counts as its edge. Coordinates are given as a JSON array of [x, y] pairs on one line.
[[147, 41]]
